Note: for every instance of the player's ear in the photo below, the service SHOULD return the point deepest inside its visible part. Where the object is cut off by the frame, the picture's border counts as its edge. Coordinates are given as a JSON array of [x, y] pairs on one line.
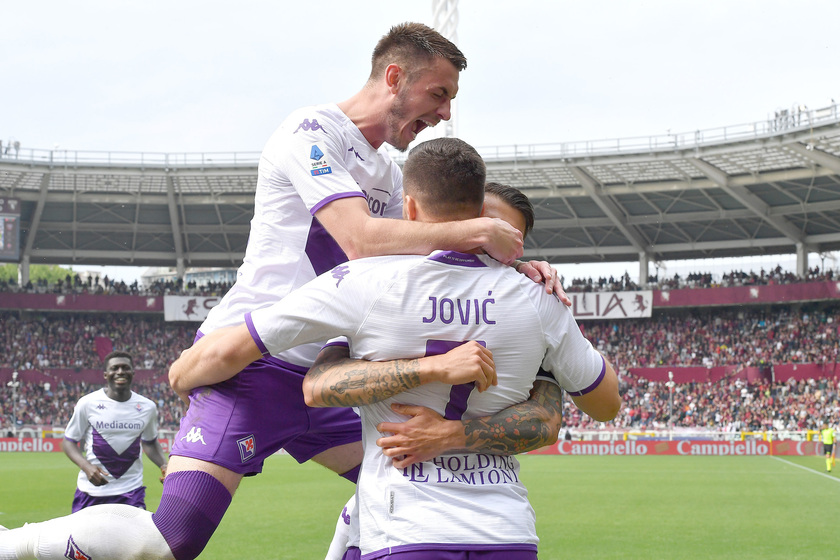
[[483, 210], [409, 208], [393, 77]]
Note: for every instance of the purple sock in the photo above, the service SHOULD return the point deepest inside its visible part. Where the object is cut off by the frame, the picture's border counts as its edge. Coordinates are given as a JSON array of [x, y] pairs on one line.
[[352, 475], [192, 506]]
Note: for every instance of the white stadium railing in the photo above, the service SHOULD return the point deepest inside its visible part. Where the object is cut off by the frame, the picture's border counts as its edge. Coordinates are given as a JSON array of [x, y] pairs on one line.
[[797, 119]]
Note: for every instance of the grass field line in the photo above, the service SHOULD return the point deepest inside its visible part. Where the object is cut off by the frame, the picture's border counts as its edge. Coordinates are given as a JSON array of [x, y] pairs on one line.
[[809, 469]]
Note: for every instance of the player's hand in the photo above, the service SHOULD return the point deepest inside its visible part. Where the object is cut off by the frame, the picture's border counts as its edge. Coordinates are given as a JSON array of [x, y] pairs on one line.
[[163, 468], [541, 271], [470, 362], [504, 242], [424, 436], [97, 476]]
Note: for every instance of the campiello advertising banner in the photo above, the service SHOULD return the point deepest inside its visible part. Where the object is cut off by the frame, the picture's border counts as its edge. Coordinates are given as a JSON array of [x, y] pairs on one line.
[[683, 447]]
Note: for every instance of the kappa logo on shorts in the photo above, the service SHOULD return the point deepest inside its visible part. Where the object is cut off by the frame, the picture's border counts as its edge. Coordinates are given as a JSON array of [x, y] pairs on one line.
[[74, 552], [247, 447], [194, 435]]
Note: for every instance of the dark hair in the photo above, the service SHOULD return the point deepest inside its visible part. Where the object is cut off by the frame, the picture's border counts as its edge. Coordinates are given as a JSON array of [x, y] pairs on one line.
[[405, 43], [119, 354], [446, 175], [515, 198]]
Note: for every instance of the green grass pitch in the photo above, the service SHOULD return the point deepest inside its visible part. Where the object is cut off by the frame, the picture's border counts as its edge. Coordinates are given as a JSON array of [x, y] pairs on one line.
[[668, 507]]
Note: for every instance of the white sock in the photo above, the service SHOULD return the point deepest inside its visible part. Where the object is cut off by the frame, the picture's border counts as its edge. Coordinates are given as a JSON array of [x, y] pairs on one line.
[[341, 538], [98, 532]]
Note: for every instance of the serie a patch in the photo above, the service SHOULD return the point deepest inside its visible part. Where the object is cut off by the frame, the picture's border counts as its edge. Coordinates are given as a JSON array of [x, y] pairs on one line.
[[319, 164]]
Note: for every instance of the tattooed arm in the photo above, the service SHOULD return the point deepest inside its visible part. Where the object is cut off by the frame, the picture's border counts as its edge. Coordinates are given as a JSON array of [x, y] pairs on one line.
[[519, 428], [336, 380]]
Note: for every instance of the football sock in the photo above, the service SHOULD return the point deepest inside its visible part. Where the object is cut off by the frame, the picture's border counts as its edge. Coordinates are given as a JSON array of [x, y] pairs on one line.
[[103, 531], [191, 507]]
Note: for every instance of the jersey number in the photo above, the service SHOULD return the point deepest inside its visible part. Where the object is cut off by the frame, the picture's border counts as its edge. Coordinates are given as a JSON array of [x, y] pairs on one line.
[[459, 394]]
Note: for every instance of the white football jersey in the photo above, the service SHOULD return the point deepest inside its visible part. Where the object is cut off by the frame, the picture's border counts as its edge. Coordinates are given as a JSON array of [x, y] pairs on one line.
[[410, 306], [112, 432], [316, 156]]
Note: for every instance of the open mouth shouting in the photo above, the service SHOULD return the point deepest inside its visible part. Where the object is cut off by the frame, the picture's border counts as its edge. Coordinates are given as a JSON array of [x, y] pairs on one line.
[[420, 125]]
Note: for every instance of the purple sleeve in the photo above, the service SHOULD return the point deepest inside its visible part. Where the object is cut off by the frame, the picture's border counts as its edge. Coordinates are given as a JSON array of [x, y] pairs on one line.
[[251, 329], [593, 385], [333, 197]]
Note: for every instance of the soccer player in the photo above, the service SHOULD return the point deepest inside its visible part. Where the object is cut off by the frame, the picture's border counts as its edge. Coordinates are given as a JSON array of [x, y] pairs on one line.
[[388, 307], [113, 423], [407, 444], [325, 190], [827, 438]]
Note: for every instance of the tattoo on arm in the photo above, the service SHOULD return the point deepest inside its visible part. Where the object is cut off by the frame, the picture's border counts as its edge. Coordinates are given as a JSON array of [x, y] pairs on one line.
[[519, 428], [342, 381]]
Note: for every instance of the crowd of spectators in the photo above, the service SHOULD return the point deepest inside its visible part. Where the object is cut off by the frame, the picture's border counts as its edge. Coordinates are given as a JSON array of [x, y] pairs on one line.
[[758, 336], [699, 280], [51, 404], [69, 340], [74, 284], [730, 405], [719, 337]]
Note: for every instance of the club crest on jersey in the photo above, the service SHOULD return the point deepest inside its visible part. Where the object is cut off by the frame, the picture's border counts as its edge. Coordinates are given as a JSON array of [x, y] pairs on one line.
[[247, 447], [73, 551], [319, 163]]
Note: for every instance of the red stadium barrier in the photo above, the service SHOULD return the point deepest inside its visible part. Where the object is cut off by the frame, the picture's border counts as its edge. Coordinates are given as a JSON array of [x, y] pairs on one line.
[[82, 302], [780, 293], [779, 373], [784, 372]]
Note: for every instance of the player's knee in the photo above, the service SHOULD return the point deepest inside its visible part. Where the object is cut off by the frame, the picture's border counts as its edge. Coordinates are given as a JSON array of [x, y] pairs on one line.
[[191, 507]]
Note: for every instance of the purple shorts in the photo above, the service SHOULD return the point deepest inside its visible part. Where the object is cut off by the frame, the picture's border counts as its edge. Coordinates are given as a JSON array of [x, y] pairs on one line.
[[238, 423], [524, 552], [136, 498]]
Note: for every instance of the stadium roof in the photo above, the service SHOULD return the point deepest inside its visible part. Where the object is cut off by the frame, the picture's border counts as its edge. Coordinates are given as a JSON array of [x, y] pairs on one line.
[[764, 188]]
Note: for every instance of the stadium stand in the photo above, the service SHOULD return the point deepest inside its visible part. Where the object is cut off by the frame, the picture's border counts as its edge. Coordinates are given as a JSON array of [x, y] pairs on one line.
[[58, 355]]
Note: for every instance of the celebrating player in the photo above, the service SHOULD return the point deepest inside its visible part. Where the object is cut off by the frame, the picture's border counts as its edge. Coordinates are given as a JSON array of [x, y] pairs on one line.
[[325, 188], [513, 430], [114, 423], [390, 307]]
